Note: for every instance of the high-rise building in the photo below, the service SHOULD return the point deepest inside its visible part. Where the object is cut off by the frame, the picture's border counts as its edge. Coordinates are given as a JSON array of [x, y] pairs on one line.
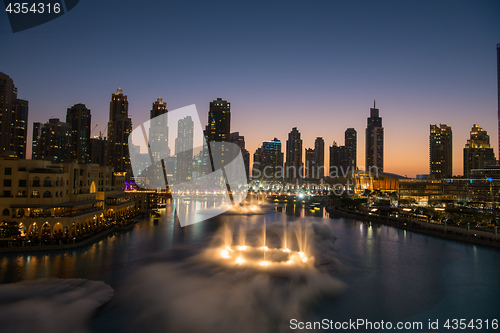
[[119, 128], [374, 141], [310, 166], [78, 117], [351, 148], [319, 159], [239, 140], [477, 151], [272, 160], [219, 121], [184, 149], [13, 119], [294, 164], [158, 131], [338, 161], [498, 87], [37, 132], [98, 150], [55, 142], [257, 164], [441, 151]]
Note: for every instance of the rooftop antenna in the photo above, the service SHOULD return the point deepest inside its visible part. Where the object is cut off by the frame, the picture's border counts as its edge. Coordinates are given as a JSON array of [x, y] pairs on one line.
[[374, 104]]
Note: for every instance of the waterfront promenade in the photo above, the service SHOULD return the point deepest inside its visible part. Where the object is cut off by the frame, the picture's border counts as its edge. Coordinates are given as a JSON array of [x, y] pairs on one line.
[[480, 237]]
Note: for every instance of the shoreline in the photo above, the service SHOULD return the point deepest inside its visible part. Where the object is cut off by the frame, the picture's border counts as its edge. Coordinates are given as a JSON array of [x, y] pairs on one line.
[[57, 247], [437, 230]]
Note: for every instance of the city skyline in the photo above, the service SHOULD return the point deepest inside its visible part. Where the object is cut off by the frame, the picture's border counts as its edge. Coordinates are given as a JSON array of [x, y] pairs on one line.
[[353, 56]]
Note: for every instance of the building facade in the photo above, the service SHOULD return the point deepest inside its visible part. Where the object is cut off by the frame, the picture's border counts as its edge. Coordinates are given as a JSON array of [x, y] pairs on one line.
[[79, 119], [441, 151], [219, 121], [46, 198], [13, 119], [56, 142], [319, 158], [374, 141], [294, 165], [119, 128], [351, 145], [477, 152]]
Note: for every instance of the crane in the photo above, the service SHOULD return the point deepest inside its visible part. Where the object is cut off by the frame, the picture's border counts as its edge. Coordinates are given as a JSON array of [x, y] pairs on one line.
[[93, 129]]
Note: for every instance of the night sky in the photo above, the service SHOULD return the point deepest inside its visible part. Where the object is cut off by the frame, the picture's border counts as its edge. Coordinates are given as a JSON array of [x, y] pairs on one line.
[[314, 65]]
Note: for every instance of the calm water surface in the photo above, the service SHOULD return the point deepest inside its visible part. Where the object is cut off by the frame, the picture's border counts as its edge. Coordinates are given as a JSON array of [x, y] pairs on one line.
[[389, 274]]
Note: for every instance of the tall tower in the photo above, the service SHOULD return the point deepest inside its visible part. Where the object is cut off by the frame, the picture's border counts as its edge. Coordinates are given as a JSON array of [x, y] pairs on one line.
[[158, 131], [78, 117], [441, 151], [477, 151], [184, 149], [13, 119], [294, 166], [374, 141], [319, 159], [37, 132], [351, 148], [55, 142], [239, 140], [119, 128], [272, 160], [219, 121]]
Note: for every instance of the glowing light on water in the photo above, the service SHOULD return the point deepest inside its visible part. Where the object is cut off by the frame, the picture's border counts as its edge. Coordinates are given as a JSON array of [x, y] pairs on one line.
[[224, 254], [264, 263], [264, 248], [240, 260], [286, 250], [242, 248]]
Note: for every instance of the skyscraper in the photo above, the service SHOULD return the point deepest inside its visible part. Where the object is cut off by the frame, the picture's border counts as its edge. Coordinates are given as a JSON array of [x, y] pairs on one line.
[[239, 140], [158, 130], [272, 160], [294, 164], [13, 119], [441, 151], [98, 150], [257, 164], [319, 158], [219, 121], [338, 161], [78, 117], [119, 128], [37, 132], [351, 148], [184, 149], [55, 142], [477, 151], [374, 141], [310, 160]]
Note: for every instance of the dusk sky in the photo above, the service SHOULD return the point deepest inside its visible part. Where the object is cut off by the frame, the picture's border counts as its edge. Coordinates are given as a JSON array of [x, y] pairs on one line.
[[314, 65]]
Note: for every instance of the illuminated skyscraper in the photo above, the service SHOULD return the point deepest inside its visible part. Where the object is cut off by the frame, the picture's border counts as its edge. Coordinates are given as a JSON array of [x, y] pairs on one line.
[[272, 160], [310, 160], [55, 142], [13, 119], [219, 121], [441, 151], [294, 165], [374, 141], [37, 132], [119, 128], [184, 149], [477, 151], [78, 117], [158, 130], [351, 148], [319, 159], [238, 139]]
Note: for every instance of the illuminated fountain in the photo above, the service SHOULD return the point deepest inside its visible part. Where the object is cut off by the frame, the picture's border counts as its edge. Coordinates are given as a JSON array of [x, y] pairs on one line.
[[261, 254]]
